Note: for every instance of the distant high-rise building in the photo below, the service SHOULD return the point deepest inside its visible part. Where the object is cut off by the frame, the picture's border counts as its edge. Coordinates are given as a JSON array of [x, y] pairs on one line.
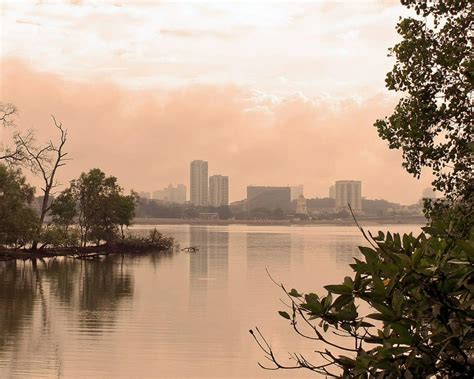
[[301, 205], [348, 192], [271, 198], [172, 194], [199, 183], [179, 194], [296, 192], [218, 190], [428, 193], [332, 192]]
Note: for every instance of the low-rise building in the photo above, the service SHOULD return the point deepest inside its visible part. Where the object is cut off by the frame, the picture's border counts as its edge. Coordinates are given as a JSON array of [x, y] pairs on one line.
[[270, 198], [171, 194]]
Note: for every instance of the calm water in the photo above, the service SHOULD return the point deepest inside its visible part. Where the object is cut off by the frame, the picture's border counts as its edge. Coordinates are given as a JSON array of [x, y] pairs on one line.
[[177, 315]]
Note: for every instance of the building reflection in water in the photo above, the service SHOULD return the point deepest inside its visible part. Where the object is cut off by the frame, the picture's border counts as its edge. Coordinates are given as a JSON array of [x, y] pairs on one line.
[[345, 249], [297, 249], [209, 266]]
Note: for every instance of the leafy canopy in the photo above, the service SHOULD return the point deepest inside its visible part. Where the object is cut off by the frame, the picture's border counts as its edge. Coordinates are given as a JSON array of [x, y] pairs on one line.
[[18, 221], [408, 310], [98, 204], [419, 318], [434, 72]]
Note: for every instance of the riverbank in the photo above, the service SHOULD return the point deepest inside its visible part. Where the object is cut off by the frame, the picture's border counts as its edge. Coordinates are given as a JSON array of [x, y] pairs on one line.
[[413, 220]]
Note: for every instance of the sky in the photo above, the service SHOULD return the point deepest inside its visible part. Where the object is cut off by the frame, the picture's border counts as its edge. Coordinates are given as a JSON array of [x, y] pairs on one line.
[[269, 93]]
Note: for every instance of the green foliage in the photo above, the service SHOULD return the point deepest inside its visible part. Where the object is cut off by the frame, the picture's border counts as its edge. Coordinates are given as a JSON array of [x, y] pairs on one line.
[[267, 214], [154, 241], [124, 210], [408, 308], [63, 209], [18, 221], [162, 209], [434, 71], [98, 204], [58, 237]]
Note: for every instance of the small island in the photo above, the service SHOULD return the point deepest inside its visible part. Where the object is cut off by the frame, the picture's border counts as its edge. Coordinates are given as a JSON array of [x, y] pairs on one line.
[[87, 220]]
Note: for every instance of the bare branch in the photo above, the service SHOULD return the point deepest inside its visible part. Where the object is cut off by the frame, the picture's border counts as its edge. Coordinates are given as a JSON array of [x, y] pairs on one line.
[[7, 111], [301, 361], [45, 161]]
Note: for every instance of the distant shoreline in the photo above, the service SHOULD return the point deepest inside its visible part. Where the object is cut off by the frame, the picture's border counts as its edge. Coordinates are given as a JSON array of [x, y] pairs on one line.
[[345, 222]]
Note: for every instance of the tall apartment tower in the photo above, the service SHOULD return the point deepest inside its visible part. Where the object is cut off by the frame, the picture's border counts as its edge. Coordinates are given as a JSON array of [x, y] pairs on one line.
[[296, 192], [199, 183], [348, 192], [218, 190]]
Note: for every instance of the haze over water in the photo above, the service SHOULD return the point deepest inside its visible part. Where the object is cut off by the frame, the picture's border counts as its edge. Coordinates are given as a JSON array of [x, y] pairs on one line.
[[169, 315]]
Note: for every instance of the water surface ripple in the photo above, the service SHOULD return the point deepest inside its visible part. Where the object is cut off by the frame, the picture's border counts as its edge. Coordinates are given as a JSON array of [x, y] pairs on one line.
[[169, 316]]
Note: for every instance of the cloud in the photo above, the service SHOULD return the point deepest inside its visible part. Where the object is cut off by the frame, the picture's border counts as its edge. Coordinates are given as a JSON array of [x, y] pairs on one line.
[[148, 137], [332, 47], [28, 22], [196, 33]]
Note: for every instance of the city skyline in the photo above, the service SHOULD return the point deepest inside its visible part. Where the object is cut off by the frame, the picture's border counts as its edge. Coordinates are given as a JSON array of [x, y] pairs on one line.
[[161, 111], [215, 190], [295, 192]]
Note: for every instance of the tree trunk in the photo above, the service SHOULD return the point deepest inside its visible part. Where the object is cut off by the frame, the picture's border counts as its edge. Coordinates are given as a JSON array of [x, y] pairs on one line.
[[44, 209]]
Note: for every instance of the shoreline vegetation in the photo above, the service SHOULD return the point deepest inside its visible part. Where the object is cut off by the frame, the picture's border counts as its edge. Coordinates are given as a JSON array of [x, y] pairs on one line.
[[156, 242], [87, 220]]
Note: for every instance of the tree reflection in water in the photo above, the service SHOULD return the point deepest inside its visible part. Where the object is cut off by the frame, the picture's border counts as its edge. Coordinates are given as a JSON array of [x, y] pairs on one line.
[[33, 292], [17, 294]]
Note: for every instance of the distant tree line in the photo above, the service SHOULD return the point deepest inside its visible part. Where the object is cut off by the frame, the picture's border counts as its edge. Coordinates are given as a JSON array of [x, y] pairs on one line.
[[324, 209], [147, 208]]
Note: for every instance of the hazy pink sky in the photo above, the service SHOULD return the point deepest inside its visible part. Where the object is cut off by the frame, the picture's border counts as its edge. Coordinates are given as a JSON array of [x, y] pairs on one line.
[[269, 93]]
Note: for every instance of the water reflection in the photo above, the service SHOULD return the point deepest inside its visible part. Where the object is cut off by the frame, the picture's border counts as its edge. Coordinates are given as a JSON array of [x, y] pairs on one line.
[[268, 250], [345, 248], [28, 289], [62, 275], [198, 261], [208, 268], [18, 291], [176, 315], [96, 287], [218, 251]]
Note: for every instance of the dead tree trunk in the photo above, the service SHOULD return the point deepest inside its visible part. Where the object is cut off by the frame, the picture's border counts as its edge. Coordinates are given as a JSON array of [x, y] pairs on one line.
[[46, 161]]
